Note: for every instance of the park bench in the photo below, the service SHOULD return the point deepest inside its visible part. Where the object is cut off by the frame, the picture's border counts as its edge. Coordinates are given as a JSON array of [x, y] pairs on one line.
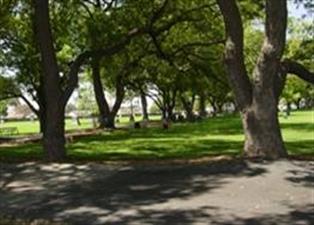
[[8, 131]]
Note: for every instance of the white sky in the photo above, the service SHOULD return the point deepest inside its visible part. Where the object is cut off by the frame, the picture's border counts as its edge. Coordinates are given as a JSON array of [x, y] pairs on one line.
[[299, 11]]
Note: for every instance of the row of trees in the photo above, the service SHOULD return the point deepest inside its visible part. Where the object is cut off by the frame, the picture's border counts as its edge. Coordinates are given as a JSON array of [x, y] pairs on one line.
[[165, 50]]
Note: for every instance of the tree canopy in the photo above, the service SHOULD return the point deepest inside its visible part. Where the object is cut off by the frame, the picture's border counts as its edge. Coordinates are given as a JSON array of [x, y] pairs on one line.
[[169, 51]]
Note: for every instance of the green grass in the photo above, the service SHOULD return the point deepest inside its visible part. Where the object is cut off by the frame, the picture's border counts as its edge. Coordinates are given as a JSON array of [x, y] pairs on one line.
[[215, 136], [32, 127]]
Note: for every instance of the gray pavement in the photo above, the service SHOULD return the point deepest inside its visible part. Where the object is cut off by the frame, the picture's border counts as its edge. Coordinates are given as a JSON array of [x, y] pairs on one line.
[[229, 192]]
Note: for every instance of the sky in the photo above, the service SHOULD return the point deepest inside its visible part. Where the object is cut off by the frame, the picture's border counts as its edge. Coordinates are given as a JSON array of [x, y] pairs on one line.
[[299, 11]]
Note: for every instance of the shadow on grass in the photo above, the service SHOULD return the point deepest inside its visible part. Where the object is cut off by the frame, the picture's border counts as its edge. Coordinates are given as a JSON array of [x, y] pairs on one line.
[[215, 136], [25, 152], [304, 147], [97, 149], [304, 127], [153, 149]]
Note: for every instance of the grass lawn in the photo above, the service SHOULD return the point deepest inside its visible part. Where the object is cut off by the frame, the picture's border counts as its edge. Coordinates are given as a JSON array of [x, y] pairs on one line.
[[32, 127], [214, 136]]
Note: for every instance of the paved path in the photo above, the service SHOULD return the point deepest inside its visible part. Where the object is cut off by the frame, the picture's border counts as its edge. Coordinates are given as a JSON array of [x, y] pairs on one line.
[[240, 193]]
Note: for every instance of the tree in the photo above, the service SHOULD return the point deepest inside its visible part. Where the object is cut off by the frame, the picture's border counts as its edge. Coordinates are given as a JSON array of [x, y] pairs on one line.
[[58, 85], [55, 97], [162, 85], [20, 60], [8, 88], [144, 105], [257, 100], [116, 76], [20, 56], [212, 84], [116, 20]]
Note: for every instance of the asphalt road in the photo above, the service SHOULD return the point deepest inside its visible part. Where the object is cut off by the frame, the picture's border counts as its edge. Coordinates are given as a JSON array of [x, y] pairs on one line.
[[236, 192]]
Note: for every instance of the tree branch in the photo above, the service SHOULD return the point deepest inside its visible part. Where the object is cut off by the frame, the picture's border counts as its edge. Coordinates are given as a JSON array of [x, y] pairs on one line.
[[274, 43], [82, 58], [197, 44], [30, 105], [157, 14], [99, 53], [297, 69], [234, 57]]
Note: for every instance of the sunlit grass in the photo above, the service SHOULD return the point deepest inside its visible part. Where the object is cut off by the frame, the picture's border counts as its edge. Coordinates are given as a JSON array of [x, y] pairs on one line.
[[214, 136], [26, 127]]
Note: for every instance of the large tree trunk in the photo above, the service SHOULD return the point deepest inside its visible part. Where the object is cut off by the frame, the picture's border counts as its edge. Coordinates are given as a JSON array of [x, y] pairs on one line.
[[262, 131], [54, 140], [257, 101], [53, 133]]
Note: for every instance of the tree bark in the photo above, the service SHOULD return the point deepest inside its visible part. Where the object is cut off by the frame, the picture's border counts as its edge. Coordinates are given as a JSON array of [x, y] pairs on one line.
[[120, 93], [107, 115], [297, 69], [102, 104], [257, 102], [262, 132], [144, 106], [53, 133], [234, 57], [42, 123], [54, 139]]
